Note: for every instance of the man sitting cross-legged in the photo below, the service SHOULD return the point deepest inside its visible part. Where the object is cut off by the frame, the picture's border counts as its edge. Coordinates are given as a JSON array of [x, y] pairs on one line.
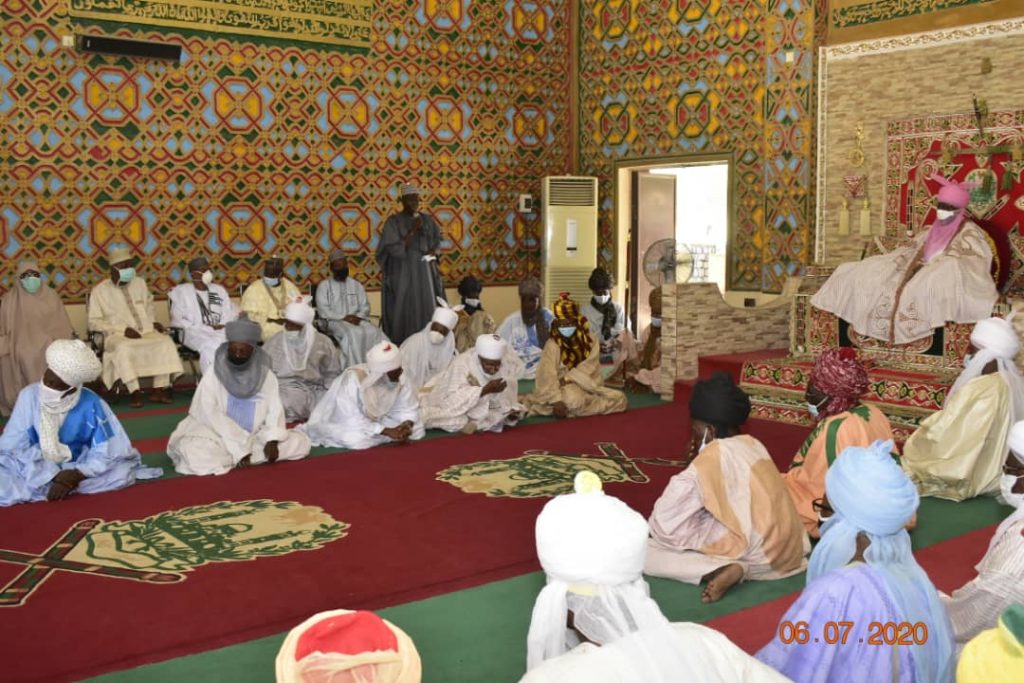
[[236, 417], [62, 438], [837, 382], [304, 361], [478, 391], [368, 405], [727, 516]]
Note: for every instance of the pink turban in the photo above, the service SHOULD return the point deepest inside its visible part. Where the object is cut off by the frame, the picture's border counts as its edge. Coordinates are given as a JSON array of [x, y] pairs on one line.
[[842, 377], [953, 193]]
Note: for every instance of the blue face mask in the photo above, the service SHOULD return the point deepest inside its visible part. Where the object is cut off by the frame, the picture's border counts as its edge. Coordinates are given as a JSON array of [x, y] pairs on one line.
[[31, 284], [125, 275], [567, 331], [271, 281]]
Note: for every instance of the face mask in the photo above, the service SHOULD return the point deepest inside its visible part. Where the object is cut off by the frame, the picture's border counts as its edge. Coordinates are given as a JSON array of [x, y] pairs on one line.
[[293, 335], [436, 337], [475, 303], [126, 275], [31, 284], [944, 214], [968, 358], [1006, 484], [207, 277], [567, 331], [51, 397], [271, 281], [603, 299], [813, 409], [341, 273], [655, 322]]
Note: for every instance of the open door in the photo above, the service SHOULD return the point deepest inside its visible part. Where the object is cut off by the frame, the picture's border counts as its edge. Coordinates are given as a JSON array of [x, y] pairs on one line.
[[653, 218]]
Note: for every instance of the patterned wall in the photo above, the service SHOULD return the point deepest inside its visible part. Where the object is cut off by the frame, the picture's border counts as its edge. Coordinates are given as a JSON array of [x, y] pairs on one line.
[[249, 147], [675, 77]]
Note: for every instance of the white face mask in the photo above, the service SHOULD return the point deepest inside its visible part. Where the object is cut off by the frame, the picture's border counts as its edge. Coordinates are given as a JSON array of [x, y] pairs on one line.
[[293, 335], [603, 299], [655, 322], [472, 302], [967, 359], [944, 214], [207, 277], [1006, 484], [51, 397], [703, 441], [436, 337], [813, 409]]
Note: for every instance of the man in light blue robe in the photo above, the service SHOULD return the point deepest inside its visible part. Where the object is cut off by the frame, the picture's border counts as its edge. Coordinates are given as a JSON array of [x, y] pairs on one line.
[[863, 572], [527, 330], [341, 301], [63, 438]]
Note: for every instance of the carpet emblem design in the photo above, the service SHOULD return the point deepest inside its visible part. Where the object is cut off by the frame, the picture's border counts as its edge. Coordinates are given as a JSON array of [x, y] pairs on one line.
[[541, 473], [160, 548]]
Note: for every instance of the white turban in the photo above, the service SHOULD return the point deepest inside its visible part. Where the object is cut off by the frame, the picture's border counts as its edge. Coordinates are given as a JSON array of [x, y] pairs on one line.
[[299, 312], [351, 646], [997, 335], [996, 340], [592, 548], [73, 361], [446, 317], [490, 347], [383, 358]]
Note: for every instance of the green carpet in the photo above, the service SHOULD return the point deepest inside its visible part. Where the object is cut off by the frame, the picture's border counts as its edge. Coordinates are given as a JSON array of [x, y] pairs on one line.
[[485, 640]]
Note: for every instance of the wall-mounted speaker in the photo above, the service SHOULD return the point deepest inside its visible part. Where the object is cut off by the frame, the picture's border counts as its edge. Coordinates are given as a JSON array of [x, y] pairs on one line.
[[128, 48]]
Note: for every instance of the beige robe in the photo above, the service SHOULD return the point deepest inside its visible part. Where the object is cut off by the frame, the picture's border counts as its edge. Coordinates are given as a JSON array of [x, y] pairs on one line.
[[451, 400], [472, 326], [113, 309], [28, 323], [956, 285], [581, 389], [959, 451], [729, 507], [260, 303]]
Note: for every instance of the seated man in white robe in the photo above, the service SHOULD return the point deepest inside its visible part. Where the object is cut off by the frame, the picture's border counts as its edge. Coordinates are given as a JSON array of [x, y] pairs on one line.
[[62, 438], [478, 392], [201, 309], [528, 329], [976, 606], [430, 351], [264, 300], [134, 344], [236, 418], [341, 302], [304, 361], [959, 451], [368, 405], [943, 275], [595, 622]]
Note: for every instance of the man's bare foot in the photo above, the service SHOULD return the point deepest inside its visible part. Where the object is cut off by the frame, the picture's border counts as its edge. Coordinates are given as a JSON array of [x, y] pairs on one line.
[[720, 581], [137, 399]]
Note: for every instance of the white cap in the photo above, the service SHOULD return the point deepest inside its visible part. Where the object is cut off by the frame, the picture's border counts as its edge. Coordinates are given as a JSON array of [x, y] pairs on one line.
[[384, 357], [299, 312], [408, 189], [446, 317], [490, 347], [73, 361]]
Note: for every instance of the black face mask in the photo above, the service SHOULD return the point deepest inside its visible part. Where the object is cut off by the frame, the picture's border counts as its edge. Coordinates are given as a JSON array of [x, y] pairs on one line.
[[341, 273]]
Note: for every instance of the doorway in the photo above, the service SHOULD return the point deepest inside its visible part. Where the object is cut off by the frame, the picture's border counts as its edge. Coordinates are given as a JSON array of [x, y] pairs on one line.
[[674, 220]]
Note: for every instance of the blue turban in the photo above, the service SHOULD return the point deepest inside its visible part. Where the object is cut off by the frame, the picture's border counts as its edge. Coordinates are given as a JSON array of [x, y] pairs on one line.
[[871, 494]]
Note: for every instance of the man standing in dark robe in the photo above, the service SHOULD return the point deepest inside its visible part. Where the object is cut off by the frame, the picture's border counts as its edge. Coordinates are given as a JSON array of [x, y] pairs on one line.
[[407, 255]]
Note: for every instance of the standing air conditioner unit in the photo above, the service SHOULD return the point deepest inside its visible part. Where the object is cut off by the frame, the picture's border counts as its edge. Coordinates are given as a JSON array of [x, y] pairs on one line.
[[569, 250]]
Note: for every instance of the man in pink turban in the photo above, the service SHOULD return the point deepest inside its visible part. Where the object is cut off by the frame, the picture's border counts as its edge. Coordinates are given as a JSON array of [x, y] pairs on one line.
[[834, 391], [943, 274]]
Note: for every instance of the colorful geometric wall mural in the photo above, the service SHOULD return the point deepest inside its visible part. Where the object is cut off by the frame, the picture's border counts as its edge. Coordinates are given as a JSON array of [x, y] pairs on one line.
[[676, 77], [249, 146]]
